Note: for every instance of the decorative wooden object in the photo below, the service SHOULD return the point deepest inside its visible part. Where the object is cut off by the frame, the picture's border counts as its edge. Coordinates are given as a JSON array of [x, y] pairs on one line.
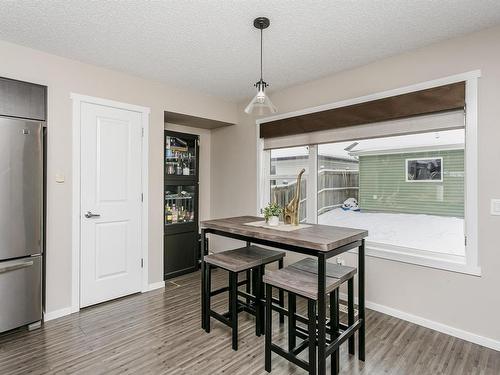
[[291, 215]]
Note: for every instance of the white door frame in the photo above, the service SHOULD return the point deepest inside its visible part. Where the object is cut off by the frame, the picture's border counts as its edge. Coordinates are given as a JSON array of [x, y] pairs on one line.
[[76, 180]]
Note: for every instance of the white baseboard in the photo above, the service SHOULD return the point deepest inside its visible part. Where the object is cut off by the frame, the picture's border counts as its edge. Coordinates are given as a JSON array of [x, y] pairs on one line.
[[440, 327], [57, 313], [158, 285], [69, 310]]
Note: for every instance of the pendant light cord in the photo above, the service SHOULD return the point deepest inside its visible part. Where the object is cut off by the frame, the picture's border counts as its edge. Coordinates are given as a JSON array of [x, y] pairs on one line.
[[261, 54]]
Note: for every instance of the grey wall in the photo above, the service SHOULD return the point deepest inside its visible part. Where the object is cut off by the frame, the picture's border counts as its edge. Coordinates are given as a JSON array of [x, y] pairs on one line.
[[464, 302], [63, 77]]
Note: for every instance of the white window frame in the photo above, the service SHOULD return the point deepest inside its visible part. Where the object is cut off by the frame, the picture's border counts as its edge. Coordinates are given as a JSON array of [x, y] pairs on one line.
[[466, 265]]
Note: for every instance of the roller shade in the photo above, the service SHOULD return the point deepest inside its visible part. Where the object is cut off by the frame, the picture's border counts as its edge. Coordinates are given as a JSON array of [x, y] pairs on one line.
[[417, 124], [422, 102]]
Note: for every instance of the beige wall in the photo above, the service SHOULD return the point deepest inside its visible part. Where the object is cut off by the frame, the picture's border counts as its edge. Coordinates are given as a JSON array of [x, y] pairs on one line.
[[204, 167], [464, 302], [64, 76]]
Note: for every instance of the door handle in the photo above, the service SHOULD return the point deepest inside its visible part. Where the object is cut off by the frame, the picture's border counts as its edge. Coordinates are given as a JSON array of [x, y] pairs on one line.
[[16, 266], [89, 215]]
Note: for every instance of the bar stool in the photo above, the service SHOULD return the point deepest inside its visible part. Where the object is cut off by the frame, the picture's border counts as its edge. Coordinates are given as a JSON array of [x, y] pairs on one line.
[[300, 279], [252, 260]]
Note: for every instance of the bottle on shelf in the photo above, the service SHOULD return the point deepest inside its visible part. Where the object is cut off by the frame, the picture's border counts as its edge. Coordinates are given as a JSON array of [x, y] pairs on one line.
[[169, 214], [179, 164], [185, 166], [174, 214]]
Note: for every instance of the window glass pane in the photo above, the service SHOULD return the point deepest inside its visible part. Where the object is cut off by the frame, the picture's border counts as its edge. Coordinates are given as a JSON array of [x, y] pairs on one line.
[[286, 164], [407, 191]]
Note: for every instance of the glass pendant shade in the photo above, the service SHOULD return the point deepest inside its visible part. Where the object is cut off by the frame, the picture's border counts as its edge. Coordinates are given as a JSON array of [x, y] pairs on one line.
[[261, 104]]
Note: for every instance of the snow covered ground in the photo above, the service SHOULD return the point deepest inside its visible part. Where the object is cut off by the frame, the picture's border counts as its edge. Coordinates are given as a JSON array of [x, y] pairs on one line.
[[425, 232]]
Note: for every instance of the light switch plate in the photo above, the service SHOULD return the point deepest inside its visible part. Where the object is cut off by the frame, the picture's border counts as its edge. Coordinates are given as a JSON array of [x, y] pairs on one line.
[[495, 206]]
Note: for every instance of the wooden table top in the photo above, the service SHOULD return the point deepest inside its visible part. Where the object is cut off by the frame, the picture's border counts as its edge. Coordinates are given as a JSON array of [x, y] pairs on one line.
[[316, 237]]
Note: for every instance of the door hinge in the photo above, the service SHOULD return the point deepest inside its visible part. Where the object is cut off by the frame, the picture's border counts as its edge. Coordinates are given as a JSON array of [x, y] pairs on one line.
[[465, 240], [142, 197], [142, 132], [142, 262]]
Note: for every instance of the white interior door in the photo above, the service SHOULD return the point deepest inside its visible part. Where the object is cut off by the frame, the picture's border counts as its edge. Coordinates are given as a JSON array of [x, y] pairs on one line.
[[110, 248]]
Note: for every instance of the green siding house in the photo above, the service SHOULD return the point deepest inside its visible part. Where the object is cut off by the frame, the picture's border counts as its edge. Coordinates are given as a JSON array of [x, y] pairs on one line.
[[384, 186]]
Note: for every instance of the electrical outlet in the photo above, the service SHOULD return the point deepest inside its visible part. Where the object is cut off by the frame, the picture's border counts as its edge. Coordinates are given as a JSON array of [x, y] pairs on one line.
[[495, 206]]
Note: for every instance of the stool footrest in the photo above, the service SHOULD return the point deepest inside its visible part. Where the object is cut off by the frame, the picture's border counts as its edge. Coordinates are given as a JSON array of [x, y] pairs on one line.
[[343, 337], [299, 348], [226, 288], [290, 357], [221, 318]]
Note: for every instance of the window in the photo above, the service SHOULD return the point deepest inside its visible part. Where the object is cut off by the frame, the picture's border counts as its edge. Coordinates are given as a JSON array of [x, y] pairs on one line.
[[284, 166], [370, 184], [405, 180]]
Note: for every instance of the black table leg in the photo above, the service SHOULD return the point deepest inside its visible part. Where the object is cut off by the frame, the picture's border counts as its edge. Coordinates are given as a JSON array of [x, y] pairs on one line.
[[321, 314], [203, 279], [233, 307], [361, 299], [334, 326], [350, 312], [281, 295], [269, 333], [311, 313], [207, 303], [292, 341]]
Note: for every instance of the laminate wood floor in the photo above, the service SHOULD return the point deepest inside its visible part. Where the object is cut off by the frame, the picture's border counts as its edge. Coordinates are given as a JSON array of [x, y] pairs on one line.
[[159, 333]]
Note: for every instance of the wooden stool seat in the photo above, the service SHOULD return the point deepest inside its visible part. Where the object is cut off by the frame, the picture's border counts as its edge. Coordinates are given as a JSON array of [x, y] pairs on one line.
[[305, 283], [244, 258], [337, 271]]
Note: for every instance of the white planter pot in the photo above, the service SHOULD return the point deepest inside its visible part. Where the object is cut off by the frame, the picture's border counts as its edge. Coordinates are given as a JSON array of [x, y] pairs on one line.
[[274, 221]]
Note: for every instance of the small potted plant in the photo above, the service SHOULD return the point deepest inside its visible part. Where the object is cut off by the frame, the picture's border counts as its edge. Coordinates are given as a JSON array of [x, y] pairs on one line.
[[272, 214]]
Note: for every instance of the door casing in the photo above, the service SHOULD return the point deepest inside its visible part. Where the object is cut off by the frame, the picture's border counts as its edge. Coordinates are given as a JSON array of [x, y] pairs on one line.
[[76, 196]]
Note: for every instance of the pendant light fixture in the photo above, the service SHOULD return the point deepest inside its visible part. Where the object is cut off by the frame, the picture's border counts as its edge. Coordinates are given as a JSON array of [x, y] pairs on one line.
[[261, 104]]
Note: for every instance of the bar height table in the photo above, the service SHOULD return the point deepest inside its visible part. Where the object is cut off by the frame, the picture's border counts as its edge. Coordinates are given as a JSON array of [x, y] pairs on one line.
[[321, 241]]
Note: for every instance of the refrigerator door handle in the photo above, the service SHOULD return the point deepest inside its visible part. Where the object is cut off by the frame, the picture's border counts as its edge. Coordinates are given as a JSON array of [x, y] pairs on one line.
[[12, 266]]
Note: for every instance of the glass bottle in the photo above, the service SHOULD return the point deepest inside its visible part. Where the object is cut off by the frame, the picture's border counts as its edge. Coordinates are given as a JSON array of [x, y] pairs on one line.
[[169, 215], [179, 164], [185, 166], [174, 214]]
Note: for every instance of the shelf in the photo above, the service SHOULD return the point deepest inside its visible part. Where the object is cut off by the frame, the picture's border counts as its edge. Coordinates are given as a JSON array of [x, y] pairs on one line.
[[184, 222]]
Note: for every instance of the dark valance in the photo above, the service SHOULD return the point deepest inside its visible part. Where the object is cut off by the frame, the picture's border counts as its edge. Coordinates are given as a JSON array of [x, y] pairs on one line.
[[433, 100]]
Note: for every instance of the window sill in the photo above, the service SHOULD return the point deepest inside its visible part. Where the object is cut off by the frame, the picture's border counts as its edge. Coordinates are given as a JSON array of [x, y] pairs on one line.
[[442, 261]]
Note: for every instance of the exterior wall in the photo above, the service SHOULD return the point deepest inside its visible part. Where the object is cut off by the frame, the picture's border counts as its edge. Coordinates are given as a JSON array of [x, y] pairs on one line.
[[419, 293], [383, 185]]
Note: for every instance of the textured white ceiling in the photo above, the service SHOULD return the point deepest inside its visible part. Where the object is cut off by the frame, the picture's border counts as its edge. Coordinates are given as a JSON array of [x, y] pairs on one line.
[[211, 46]]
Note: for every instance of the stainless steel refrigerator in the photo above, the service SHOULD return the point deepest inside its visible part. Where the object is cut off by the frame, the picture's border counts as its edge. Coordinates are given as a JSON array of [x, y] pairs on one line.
[[21, 222]]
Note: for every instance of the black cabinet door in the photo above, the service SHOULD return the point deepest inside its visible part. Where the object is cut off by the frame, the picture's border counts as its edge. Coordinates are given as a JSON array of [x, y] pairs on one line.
[[22, 99], [181, 254]]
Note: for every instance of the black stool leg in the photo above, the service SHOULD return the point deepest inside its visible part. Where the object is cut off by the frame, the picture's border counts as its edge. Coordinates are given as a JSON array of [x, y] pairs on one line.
[[207, 302], [233, 302], [262, 270], [269, 297], [334, 325], [350, 312], [311, 316], [259, 308], [292, 323], [248, 285], [281, 295]]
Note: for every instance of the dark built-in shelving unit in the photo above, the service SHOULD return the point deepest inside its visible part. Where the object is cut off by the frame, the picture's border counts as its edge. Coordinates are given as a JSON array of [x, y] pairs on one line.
[[181, 218]]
